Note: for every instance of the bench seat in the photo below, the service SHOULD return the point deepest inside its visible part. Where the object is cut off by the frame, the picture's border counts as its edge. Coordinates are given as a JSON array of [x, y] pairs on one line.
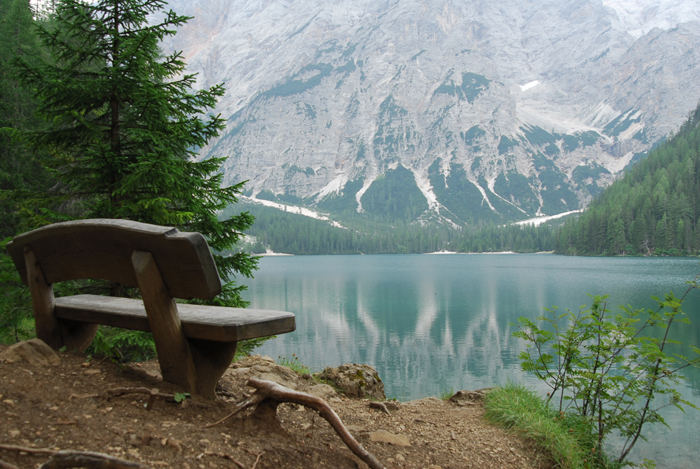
[[217, 323]]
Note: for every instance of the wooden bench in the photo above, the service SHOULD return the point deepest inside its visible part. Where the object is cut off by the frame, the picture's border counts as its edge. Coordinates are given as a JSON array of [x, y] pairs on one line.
[[195, 344]]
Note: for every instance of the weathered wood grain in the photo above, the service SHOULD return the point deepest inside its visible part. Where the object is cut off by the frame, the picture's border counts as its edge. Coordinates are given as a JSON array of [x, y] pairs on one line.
[[47, 326], [217, 323], [174, 356], [101, 248]]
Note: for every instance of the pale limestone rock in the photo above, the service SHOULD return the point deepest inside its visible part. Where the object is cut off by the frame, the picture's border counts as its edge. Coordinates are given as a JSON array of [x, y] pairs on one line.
[[355, 380], [383, 436], [34, 351]]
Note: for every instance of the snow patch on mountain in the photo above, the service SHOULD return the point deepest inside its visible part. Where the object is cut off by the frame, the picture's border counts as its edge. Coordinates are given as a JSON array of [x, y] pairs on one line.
[[333, 187], [296, 210], [529, 85], [536, 221], [638, 17], [426, 189]]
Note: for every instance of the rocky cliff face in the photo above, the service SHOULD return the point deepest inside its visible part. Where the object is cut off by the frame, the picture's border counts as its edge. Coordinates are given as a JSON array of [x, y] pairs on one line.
[[441, 109]]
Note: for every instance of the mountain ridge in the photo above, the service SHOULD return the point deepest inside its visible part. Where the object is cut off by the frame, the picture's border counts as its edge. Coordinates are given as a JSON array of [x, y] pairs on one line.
[[338, 106]]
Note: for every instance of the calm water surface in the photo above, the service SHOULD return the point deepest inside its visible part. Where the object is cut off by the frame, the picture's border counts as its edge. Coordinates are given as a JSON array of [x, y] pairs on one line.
[[435, 323]]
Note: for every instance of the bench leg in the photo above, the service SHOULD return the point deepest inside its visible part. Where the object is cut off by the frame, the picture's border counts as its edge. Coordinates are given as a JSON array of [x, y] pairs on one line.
[[47, 326], [211, 359], [174, 354], [77, 335]]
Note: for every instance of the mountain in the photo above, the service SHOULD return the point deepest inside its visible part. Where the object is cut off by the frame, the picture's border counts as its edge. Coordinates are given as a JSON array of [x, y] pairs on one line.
[[653, 209], [460, 112]]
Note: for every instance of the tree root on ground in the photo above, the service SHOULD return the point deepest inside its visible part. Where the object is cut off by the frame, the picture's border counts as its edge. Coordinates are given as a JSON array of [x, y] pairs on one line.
[[67, 459], [269, 395]]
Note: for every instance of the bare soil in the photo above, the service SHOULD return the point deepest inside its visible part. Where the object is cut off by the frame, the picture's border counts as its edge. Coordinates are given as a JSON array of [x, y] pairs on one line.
[[72, 405]]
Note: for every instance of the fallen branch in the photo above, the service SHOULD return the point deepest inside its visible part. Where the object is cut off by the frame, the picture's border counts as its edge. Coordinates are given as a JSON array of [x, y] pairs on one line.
[[26, 449], [271, 391], [68, 459], [7, 465], [381, 406]]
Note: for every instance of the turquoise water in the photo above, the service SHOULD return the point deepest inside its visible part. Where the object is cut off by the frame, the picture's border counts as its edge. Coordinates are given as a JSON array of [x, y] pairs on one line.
[[435, 323]]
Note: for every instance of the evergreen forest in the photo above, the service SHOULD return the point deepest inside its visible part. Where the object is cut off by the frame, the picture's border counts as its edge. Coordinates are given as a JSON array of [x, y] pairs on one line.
[[654, 209], [651, 210]]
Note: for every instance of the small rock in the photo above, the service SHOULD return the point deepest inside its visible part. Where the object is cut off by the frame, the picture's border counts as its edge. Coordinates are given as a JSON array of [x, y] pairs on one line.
[[323, 391], [392, 405], [383, 436], [355, 380], [467, 398], [33, 351]]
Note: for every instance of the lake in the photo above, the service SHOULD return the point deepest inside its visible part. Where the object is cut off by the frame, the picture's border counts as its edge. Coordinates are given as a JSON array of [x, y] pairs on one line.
[[431, 324]]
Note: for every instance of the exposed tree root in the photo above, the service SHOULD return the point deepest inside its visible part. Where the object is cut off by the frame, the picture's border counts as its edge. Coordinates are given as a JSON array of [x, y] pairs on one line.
[[269, 395], [68, 459]]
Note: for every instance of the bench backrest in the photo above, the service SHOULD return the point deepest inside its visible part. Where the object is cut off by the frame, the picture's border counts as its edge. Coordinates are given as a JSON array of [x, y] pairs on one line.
[[102, 248]]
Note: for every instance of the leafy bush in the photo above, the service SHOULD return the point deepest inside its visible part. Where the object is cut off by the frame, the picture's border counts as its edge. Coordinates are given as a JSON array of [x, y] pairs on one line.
[[602, 368]]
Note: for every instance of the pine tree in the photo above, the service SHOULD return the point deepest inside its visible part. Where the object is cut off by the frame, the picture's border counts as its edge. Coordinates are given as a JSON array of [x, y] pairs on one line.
[[124, 124], [21, 169]]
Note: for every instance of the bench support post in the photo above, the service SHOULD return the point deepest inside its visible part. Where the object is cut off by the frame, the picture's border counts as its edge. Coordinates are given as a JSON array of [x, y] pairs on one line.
[[211, 359], [47, 326], [55, 332], [174, 355]]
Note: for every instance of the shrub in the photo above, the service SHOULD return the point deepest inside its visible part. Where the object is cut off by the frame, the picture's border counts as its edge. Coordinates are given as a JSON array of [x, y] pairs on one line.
[[615, 371]]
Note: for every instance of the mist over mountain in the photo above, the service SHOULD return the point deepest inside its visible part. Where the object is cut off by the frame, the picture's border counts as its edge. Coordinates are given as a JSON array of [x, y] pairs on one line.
[[459, 112]]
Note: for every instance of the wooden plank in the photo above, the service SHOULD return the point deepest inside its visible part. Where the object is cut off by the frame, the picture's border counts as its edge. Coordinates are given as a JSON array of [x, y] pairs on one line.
[[101, 248], [174, 356], [215, 323]]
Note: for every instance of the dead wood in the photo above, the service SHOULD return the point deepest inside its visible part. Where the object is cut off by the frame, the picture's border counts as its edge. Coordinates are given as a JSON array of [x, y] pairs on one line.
[[7, 465], [26, 449], [379, 405], [269, 392], [68, 459]]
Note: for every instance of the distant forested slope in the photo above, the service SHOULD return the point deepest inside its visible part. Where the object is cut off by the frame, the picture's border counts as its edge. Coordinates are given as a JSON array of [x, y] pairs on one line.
[[653, 209]]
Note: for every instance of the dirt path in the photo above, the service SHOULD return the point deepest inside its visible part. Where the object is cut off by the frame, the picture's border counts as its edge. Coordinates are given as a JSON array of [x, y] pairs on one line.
[[67, 405]]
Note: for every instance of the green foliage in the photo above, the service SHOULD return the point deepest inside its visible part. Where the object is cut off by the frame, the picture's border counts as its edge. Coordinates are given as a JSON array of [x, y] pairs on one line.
[[653, 210], [613, 370], [22, 173], [120, 131], [16, 319], [179, 397], [294, 364], [296, 234], [124, 125], [566, 437], [395, 196], [122, 345]]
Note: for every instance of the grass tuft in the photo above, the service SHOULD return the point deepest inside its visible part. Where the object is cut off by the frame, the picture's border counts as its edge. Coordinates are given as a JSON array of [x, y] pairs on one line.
[[568, 438], [294, 364]]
